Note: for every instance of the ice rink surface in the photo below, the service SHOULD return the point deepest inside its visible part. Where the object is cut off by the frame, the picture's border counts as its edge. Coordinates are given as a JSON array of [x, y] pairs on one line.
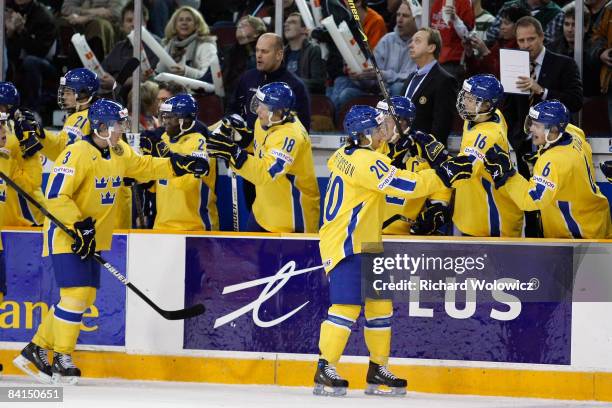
[[151, 394]]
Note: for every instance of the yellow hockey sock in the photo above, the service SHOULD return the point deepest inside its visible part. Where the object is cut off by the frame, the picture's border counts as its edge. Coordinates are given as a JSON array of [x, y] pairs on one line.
[[44, 335], [377, 330], [335, 331], [68, 314]]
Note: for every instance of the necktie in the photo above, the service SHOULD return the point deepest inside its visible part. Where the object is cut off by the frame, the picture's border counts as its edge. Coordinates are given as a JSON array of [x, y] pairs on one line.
[[414, 83], [532, 74]]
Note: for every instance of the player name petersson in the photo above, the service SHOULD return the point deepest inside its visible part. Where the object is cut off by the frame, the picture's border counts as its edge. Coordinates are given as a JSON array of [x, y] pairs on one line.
[[468, 284]]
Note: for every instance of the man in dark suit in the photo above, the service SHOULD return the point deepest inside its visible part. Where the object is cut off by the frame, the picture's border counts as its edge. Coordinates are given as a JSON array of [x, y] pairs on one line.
[[430, 87], [553, 76]]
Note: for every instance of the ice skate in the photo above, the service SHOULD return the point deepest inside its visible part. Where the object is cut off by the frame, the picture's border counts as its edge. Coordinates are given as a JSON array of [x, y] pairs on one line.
[[34, 361], [64, 370], [328, 382], [382, 382]]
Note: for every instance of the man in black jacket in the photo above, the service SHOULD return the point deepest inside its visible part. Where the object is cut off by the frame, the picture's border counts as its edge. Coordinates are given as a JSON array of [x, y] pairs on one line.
[[553, 76], [302, 56], [432, 90], [31, 43]]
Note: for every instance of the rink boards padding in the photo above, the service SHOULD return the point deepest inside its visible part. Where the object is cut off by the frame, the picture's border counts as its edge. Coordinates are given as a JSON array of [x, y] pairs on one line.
[[32, 290]]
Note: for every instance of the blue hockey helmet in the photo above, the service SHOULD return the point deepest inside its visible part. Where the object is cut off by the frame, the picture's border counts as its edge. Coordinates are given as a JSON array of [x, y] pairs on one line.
[[9, 96], [110, 114], [362, 120], [277, 96], [483, 88], [551, 114], [182, 106], [83, 82], [404, 109]]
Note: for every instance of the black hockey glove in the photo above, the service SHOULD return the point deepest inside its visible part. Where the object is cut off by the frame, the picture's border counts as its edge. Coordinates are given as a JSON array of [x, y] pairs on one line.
[[606, 168], [497, 163], [218, 146], [431, 219], [430, 148], [85, 238], [27, 131], [188, 165], [399, 149], [455, 169], [235, 122], [152, 144]]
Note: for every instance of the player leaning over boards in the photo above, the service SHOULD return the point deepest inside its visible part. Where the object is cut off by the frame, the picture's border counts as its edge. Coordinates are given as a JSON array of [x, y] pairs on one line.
[[417, 216], [81, 194], [76, 93], [19, 170], [24, 152], [563, 185], [281, 167], [183, 203], [360, 180], [481, 210]]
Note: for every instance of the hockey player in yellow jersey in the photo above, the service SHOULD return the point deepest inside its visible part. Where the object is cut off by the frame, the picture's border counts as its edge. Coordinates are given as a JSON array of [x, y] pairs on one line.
[[417, 216], [76, 93], [24, 152], [563, 184], [81, 194], [183, 203], [281, 167], [354, 207], [480, 210]]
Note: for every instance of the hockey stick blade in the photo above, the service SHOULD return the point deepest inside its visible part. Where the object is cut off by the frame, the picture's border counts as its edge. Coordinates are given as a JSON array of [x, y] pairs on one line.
[[167, 314]]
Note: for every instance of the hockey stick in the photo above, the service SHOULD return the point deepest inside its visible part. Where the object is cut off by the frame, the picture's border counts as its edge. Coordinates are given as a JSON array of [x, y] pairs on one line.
[[234, 181], [180, 314], [356, 22], [394, 218]]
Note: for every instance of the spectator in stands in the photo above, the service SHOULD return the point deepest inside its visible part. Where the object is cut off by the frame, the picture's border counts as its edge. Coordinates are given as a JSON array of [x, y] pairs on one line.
[[481, 59], [269, 68], [31, 43], [454, 24], [553, 76], [597, 9], [96, 19], [482, 18], [189, 43], [302, 56], [123, 51], [548, 13], [263, 9], [601, 49], [432, 89], [148, 105], [240, 57], [351, 85]]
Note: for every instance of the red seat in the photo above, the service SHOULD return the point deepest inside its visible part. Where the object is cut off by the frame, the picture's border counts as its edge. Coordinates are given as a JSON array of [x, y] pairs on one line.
[[595, 117], [226, 36], [211, 108], [370, 100], [321, 114]]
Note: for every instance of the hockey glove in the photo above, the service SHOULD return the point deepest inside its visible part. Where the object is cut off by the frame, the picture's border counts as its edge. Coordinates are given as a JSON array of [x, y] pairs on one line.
[[188, 165], [26, 132], [32, 122], [497, 163], [400, 148], [152, 144], [430, 148], [606, 168], [218, 146], [431, 219], [85, 238], [455, 169], [235, 122]]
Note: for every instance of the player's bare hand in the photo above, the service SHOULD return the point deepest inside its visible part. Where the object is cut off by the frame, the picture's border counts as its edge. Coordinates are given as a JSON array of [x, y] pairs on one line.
[[177, 70]]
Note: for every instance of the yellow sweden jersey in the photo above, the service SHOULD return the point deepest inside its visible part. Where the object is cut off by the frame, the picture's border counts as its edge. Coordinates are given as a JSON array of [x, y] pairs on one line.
[[282, 170], [355, 200], [410, 207], [18, 212], [480, 209], [188, 203], [75, 127], [563, 188], [84, 184]]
